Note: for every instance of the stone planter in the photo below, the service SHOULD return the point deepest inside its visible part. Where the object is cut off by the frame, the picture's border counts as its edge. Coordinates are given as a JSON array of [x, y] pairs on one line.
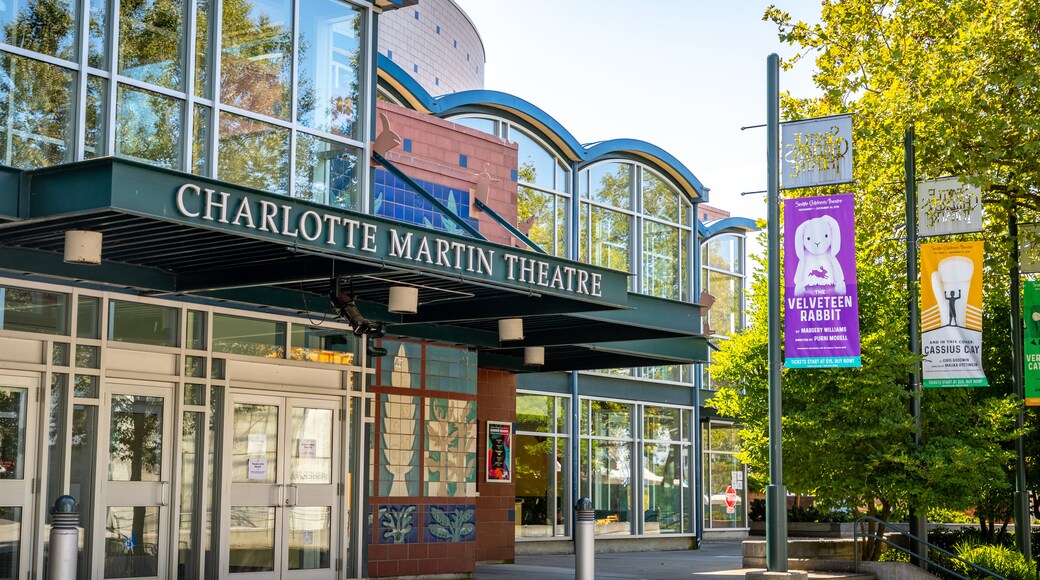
[[809, 529]]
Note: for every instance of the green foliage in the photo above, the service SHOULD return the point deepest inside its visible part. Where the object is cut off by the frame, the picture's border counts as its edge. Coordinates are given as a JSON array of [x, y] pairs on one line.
[[964, 73], [948, 516], [1002, 560]]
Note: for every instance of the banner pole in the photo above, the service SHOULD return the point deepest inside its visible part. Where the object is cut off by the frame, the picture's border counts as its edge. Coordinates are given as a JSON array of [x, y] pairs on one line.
[[1023, 527], [776, 494], [918, 522]]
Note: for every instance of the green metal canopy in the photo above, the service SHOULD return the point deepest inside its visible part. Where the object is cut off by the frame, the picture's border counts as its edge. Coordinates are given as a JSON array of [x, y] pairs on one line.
[[172, 233]]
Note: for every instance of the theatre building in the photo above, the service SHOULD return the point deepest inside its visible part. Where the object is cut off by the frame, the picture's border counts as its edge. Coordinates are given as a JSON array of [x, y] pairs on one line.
[[273, 306]]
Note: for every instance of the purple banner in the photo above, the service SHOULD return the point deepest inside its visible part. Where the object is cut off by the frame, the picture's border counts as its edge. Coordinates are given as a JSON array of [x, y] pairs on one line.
[[821, 309]]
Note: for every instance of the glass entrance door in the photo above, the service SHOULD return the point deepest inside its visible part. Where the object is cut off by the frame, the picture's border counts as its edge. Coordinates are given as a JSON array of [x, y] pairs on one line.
[[17, 452], [133, 520], [284, 500]]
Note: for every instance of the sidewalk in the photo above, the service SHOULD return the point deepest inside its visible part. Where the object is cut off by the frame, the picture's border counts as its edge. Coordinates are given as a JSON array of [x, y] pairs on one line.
[[721, 559]]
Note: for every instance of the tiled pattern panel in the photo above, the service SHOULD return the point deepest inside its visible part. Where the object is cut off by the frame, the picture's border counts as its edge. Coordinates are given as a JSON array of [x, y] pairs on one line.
[[451, 369], [399, 446], [451, 448], [398, 524], [437, 39], [402, 365], [395, 200], [449, 523]]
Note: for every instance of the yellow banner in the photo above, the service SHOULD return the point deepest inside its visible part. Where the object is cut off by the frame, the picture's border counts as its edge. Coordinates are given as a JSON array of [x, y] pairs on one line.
[[951, 314]]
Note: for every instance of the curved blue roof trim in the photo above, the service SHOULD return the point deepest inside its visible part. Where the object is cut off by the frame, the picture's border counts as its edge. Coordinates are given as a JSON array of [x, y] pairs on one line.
[[499, 100], [406, 82], [716, 227], [552, 129], [643, 149]]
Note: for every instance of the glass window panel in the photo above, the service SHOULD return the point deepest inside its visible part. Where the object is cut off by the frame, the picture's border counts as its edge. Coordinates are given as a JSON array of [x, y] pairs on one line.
[[250, 336], [253, 153], [251, 540], [203, 49], [544, 215], [88, 317], [310, 537], [217, 368], [196, 330], [35, 113], [329, 73], [195, 366], [659, 199], [611, 184], [684, 265], [148, 127], [57, 442], [661, 260], [88, 356], [661, 423], [724, 437], [151, 41], [86, 386], [663, 484], [144, 323], [563, 178], [611, 487], [311, 446], [34, 311], [46, 26], [610, 240], [82, 464], [725, 315], [536, 165], [478, 123], [136, 433], [194, 394], [131, 536], [724, 252], [663, 373], [94, 140], [255, 440], [200, 156], [98, 49], [189, 544], [611, 419], [535, 473], [534, 413], [12, 520], [317, 344], [210, 540], [326, 172], [256, 56], [12, 433], [724, 470], [60, 354]]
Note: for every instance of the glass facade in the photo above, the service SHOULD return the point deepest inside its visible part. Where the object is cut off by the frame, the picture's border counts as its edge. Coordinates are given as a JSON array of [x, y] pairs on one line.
[[722, 473], [541, 467], [266, 93], [722, 276]]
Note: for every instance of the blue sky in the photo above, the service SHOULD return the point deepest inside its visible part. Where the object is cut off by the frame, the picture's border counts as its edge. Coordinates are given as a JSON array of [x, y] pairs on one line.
[[684, 75]]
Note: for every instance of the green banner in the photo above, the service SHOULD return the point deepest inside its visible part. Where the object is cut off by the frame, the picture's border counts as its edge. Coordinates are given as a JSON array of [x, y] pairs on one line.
[[1031, 326]]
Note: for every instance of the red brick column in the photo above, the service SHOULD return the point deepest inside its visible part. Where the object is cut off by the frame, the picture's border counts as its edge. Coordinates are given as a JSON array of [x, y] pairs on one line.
[[496, 401]]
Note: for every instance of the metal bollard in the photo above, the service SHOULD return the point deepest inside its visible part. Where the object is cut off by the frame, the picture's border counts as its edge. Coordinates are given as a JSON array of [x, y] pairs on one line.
[[584, 540], [64, 541]]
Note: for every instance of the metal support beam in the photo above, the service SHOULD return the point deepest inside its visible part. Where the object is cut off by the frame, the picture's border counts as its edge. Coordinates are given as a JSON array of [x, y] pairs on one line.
[[1023, 529], [508, 226]]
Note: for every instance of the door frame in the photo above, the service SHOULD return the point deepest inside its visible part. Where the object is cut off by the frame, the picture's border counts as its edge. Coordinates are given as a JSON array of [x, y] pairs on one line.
[[341, 441], [167, 486], [31, 382]]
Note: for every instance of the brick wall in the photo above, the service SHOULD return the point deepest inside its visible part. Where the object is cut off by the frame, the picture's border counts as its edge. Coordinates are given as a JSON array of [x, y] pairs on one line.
[[496, 401], [451, 155]]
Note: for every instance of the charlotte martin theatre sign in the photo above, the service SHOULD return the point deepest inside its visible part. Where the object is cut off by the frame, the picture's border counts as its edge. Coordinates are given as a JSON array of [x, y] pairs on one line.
[[361, 236]]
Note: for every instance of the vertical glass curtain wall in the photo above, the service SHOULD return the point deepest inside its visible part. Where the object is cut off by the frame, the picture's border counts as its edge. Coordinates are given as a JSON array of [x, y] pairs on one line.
[[722, 470], [262, 93], [542, 449], [722, 276]]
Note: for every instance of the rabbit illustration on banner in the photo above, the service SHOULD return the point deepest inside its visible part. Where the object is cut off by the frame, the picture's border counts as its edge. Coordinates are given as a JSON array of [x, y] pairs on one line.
[[817, 243]]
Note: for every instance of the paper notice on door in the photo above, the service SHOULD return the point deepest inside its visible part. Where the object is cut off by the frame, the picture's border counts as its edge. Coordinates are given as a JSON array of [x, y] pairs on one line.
[[308, 448], [258, 468], [257, 444]]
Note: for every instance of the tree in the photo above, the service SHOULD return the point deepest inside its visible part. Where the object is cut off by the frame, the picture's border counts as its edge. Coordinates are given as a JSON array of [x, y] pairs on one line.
[[964, 73]]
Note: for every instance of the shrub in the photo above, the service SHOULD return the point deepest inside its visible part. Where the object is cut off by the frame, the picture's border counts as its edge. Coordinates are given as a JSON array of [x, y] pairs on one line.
[[1002, 560], [947, 516]]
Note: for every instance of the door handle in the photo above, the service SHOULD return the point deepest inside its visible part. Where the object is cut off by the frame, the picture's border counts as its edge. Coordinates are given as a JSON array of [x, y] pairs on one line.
[[281, 495], [164, 493], [295, 497]]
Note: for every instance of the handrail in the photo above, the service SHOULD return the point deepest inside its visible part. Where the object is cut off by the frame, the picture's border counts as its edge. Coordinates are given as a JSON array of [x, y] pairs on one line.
[[855, 548]]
